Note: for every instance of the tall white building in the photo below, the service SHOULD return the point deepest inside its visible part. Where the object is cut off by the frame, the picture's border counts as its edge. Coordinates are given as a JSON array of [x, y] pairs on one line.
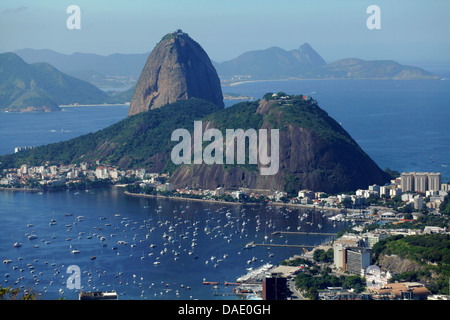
[[418, 202], [407, 181], [434, 181], [421, 181]]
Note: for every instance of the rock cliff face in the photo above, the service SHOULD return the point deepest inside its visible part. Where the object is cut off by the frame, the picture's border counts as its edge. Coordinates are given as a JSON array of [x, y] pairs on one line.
[[178, 68], [315, 152], [395, 264]]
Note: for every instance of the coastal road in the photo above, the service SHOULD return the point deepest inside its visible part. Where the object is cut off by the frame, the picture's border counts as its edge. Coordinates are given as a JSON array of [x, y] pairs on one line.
[[296, 295]]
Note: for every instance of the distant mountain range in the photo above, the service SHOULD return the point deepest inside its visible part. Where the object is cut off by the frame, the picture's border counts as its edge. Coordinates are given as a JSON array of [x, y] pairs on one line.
[[40, 80], [306, 63], [115, 70], [271, 63], [123, 70]]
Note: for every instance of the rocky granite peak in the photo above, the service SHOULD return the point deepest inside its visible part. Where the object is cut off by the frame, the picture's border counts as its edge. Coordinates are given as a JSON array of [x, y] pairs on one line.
[[177, 69]]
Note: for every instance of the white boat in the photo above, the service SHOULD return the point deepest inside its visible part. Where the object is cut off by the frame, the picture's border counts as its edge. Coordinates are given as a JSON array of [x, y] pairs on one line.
[[32, 237], [17, 244], [74, 251]]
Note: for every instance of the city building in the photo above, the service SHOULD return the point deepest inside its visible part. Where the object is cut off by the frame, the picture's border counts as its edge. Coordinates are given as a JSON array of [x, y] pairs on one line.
[[374, 237], [340, 247], [274, 287], [101, 172], [407, 181], [306, 194], [358, 258], [434, 181], [339, 256], [418, 202], [421, 181], [278, 195], [220, 192], [401, 291]]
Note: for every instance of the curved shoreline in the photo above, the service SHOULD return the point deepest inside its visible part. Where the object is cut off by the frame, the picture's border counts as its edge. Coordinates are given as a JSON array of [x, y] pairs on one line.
[[139, 195], [20, 189]]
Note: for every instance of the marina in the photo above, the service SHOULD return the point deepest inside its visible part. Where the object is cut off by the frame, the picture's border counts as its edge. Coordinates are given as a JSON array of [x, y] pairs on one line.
[[143, 249]]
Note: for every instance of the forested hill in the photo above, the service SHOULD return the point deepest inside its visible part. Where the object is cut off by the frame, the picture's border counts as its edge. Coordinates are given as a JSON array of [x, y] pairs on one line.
[[41, 87]]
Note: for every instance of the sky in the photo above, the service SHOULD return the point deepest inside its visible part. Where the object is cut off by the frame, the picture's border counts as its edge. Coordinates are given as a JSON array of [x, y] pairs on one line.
[[410, 31]]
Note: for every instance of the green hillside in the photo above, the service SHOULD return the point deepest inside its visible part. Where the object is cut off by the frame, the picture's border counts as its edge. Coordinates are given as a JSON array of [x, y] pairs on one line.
[[132, 142], [41, 87]]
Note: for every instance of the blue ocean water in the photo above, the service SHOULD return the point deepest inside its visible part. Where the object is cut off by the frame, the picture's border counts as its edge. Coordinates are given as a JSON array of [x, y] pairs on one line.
[[400, 124]]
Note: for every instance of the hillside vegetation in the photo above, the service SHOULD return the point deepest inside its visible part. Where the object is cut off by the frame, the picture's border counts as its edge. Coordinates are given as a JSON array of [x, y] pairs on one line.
[[41, 87], [132, 142], [430, 252]]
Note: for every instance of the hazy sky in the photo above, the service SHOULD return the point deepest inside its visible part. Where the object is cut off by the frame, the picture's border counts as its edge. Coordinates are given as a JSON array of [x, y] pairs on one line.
[[411, 30]]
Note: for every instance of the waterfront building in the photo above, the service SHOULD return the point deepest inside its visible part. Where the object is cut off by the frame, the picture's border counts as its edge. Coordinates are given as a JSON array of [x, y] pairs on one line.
[[319, 194], [401, 291], [165, 187], [236, 194], [340, 249], [407, 181], [274, 287], [421, 181], [358, 258], [220, 192], [278, 195], [434, 181], [306, 194], [101, 172]]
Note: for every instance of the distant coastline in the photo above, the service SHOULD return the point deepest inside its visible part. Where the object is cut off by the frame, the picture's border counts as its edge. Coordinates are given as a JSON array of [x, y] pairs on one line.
[[93, 105], [20, 189], [230, 83], [294, 205]]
